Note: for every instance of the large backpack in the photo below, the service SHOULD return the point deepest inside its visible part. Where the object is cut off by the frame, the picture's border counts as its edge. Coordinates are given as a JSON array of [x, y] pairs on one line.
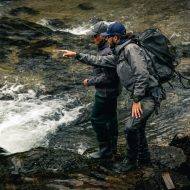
[[163, 55]]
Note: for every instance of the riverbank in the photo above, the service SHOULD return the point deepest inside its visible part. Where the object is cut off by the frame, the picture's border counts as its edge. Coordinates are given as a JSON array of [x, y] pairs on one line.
[[51, 169], [45, 111]]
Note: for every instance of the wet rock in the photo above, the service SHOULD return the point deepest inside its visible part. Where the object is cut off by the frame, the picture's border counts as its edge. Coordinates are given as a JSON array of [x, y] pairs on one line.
[[182, 140], [4, 55], [5, 164], [94, 20], [2, 150], [184, 66], [13, 42], [6, 0], [167, 157], [152, 179], [31, 46], [59, 168], [43, 43], [47, 162], [17, 29], [180, 180], [183, 49], [27, 10], [29, 38], [32, 53], [54, 74], [86, 6], [34, 49], [56, 23]]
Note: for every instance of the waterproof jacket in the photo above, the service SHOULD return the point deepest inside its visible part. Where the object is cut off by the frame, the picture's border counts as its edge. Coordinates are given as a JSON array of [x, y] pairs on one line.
[[132, 68], [105, 80]]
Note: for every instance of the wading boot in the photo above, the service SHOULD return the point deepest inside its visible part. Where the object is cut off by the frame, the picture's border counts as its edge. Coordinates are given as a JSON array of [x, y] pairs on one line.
[[104, 152], [144, 159], [144, 154], [132, 138], [114, 145], [125, 166]]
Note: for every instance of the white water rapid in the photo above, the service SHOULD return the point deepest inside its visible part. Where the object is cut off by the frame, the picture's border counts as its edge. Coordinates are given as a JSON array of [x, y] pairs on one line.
[[26, 120]]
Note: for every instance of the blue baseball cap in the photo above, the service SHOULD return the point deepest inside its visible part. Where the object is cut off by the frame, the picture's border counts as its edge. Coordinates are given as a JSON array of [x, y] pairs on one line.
[[115, 28]]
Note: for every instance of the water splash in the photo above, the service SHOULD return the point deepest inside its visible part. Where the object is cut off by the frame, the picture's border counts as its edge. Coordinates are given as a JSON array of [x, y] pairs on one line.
[[77, 30], [26, 120]]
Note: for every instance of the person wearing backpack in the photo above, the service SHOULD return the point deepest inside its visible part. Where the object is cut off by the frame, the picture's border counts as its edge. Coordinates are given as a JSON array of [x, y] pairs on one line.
[[139, 79], [104, 112]]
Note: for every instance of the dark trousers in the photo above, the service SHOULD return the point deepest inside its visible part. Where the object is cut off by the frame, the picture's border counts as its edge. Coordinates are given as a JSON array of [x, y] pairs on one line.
[[135, 132], [104, 120]]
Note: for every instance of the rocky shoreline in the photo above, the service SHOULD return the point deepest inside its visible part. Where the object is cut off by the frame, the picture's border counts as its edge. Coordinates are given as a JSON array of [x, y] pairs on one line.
[[43, 168]]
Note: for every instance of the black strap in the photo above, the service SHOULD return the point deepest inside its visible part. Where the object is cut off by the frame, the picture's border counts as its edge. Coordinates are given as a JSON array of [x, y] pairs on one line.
[[181, 76]]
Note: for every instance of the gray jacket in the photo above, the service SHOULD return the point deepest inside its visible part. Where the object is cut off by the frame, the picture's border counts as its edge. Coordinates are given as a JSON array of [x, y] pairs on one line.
[[105, 80], [131, 68]]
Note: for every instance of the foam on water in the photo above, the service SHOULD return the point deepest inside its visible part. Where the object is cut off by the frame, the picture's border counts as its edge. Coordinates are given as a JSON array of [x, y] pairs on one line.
[[78, 30], [26, 120]]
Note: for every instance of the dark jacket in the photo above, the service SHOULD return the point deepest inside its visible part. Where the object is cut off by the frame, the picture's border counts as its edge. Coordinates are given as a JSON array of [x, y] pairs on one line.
[[131, 68], [105, 80]]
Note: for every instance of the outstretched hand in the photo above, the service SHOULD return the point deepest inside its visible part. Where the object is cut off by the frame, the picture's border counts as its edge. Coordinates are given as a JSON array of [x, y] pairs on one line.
[[85, 82], [136, 109], [67, 53]]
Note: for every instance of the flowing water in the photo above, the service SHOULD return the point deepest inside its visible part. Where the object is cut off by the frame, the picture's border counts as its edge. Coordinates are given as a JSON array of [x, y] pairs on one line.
[[174, 117], [29, 119]]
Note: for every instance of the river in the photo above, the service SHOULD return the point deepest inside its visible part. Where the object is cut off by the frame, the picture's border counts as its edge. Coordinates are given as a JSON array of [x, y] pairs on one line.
[[30, 119], [45, 110]]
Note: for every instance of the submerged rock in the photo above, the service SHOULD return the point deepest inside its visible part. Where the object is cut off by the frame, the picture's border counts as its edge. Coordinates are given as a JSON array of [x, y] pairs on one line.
[[26, 10], [58, 24], [86, 6]]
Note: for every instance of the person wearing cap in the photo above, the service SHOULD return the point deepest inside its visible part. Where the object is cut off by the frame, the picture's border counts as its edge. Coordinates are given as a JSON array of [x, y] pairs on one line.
[[134, 75], [107, 85]]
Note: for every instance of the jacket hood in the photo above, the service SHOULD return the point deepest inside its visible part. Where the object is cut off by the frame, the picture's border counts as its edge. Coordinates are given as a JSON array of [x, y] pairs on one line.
[[118, 48]]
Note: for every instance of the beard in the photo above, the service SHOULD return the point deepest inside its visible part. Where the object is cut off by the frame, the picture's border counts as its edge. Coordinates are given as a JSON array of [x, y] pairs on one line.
[[112, 46]]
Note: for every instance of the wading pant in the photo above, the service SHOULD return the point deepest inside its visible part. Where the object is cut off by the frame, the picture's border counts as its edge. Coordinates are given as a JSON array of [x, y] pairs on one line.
[[104, 122], [137, 149]]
